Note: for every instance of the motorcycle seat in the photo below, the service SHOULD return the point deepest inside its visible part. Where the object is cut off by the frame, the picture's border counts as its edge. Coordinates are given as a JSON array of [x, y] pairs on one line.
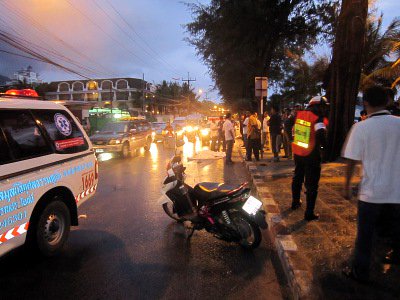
[[207, 191]]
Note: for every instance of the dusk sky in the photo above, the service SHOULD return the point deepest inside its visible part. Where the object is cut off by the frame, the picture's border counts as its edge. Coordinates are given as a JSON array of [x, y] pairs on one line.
[[151, 43]]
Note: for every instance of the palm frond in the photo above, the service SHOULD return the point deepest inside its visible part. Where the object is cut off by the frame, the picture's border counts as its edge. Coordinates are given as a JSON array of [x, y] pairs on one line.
[[396, 82]]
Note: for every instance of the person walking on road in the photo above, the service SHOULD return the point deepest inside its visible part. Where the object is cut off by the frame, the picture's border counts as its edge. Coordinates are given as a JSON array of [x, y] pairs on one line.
[[375, 143], [275, 128], [221, 135], [253, 137], [229, 132], [214, 135], [309, 140]]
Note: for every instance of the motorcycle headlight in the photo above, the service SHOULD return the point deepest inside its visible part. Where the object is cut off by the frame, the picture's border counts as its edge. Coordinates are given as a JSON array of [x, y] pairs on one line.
[[205, 132], [189, 128], [114, 142]]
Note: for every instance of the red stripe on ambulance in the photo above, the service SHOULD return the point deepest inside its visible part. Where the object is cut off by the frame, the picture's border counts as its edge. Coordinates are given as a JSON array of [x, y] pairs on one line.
[[12, 233]]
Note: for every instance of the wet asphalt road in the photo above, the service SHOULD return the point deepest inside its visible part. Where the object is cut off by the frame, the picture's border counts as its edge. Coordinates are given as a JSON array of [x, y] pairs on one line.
[[127, 248]]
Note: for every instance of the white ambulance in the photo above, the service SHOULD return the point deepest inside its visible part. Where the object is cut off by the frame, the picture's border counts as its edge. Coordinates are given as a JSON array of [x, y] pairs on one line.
[[47, 169]]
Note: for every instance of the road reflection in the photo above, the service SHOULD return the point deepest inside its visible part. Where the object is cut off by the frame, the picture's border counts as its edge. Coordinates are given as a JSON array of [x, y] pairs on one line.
[[154, 156]]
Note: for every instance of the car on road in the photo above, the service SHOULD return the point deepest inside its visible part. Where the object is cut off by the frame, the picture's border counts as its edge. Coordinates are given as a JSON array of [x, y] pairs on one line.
[[205, 134], [158, 131], [47, 170], [123, 137]]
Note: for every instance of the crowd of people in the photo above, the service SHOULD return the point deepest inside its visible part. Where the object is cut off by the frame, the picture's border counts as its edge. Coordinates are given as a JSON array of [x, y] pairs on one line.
[[373, 142], [273, 132]]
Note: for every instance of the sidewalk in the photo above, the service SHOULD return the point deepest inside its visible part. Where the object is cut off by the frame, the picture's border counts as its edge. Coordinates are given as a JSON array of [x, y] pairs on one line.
[[314, 253]]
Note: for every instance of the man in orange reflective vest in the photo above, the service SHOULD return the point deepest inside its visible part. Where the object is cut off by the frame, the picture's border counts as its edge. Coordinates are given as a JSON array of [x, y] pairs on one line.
[[309, 140]]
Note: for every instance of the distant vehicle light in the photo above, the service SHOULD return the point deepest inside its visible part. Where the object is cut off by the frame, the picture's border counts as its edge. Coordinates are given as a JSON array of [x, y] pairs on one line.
[[205, 132], [23, 93]]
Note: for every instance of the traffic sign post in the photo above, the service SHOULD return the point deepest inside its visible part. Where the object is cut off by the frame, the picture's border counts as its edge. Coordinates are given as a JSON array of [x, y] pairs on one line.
[[261, 90]]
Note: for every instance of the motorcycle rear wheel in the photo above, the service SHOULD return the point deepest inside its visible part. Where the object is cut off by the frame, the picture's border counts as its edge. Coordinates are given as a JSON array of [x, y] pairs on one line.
[[169, 210], [249, 231]]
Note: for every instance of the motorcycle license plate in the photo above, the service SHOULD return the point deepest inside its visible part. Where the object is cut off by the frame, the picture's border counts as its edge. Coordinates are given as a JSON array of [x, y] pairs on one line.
[[252, 205]]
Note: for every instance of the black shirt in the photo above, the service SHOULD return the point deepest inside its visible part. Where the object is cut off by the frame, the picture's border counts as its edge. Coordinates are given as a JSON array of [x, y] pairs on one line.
[[275, 124]]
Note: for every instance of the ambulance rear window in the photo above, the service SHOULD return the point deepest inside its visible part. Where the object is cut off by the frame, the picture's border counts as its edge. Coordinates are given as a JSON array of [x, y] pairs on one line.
[[22, 135], [62, 130], [4, 151]]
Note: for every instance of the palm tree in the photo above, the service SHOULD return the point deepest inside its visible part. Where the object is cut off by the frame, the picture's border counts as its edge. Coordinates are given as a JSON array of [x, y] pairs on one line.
[[380, 50]]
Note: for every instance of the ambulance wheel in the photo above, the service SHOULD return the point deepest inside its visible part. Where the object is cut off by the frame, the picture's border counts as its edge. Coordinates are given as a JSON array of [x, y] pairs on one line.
[[52, 228]]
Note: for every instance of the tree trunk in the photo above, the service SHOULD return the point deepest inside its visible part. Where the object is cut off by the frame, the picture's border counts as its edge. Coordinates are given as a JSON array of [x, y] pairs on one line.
[[345, 72]]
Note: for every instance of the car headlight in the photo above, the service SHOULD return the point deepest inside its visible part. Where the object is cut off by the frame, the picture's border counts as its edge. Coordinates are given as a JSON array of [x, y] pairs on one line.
[[205, 132], [114, 142]]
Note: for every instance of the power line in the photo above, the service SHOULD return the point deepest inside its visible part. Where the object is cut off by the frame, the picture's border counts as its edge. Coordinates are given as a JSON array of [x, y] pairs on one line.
[[140, 37], [16, 44], [101, 29], [120, 28], [40, 28], [21, 55], [49, 50]]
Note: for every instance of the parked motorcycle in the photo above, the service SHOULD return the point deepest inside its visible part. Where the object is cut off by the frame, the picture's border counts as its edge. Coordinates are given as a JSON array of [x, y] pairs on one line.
[[228, 212]]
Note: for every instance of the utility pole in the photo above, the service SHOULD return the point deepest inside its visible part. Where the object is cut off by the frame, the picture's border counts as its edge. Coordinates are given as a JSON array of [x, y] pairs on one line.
[[188, 80], [143, 95]]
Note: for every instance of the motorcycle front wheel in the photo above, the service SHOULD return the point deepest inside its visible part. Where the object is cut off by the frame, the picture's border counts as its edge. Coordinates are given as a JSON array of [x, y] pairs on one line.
[[249, 232], [169, 210]]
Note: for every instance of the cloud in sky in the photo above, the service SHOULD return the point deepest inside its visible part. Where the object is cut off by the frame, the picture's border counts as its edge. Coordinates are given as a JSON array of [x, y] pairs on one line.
[[81, 30]]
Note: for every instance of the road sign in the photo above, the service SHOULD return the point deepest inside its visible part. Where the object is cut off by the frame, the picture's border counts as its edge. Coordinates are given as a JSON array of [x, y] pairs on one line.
[[261, 89], [261, 86]]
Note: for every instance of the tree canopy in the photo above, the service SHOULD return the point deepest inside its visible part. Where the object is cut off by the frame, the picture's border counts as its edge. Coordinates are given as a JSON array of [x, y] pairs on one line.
[[382, 53], [241, 39], [302, 81]]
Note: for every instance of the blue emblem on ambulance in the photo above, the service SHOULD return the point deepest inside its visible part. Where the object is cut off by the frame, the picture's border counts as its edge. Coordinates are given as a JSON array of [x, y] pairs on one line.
[[63, 124]]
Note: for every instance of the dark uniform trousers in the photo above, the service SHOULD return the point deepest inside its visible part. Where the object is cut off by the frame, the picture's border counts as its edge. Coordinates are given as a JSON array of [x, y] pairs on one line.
[[307, 170]]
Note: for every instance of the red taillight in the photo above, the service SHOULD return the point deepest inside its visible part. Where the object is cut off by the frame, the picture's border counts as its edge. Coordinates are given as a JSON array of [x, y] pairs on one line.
[[24, 93]]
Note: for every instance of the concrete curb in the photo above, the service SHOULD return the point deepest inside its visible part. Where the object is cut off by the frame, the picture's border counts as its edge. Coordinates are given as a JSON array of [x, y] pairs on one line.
[[299, 280]]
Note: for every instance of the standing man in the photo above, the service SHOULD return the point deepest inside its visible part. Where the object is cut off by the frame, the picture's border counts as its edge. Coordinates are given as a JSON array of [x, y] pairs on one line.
[[214, 134], [221, 135], [265, 132], [287, 133], [375, 143], [275, 128], [309, 141], [253, 137], [245, 131], [229, 132]]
